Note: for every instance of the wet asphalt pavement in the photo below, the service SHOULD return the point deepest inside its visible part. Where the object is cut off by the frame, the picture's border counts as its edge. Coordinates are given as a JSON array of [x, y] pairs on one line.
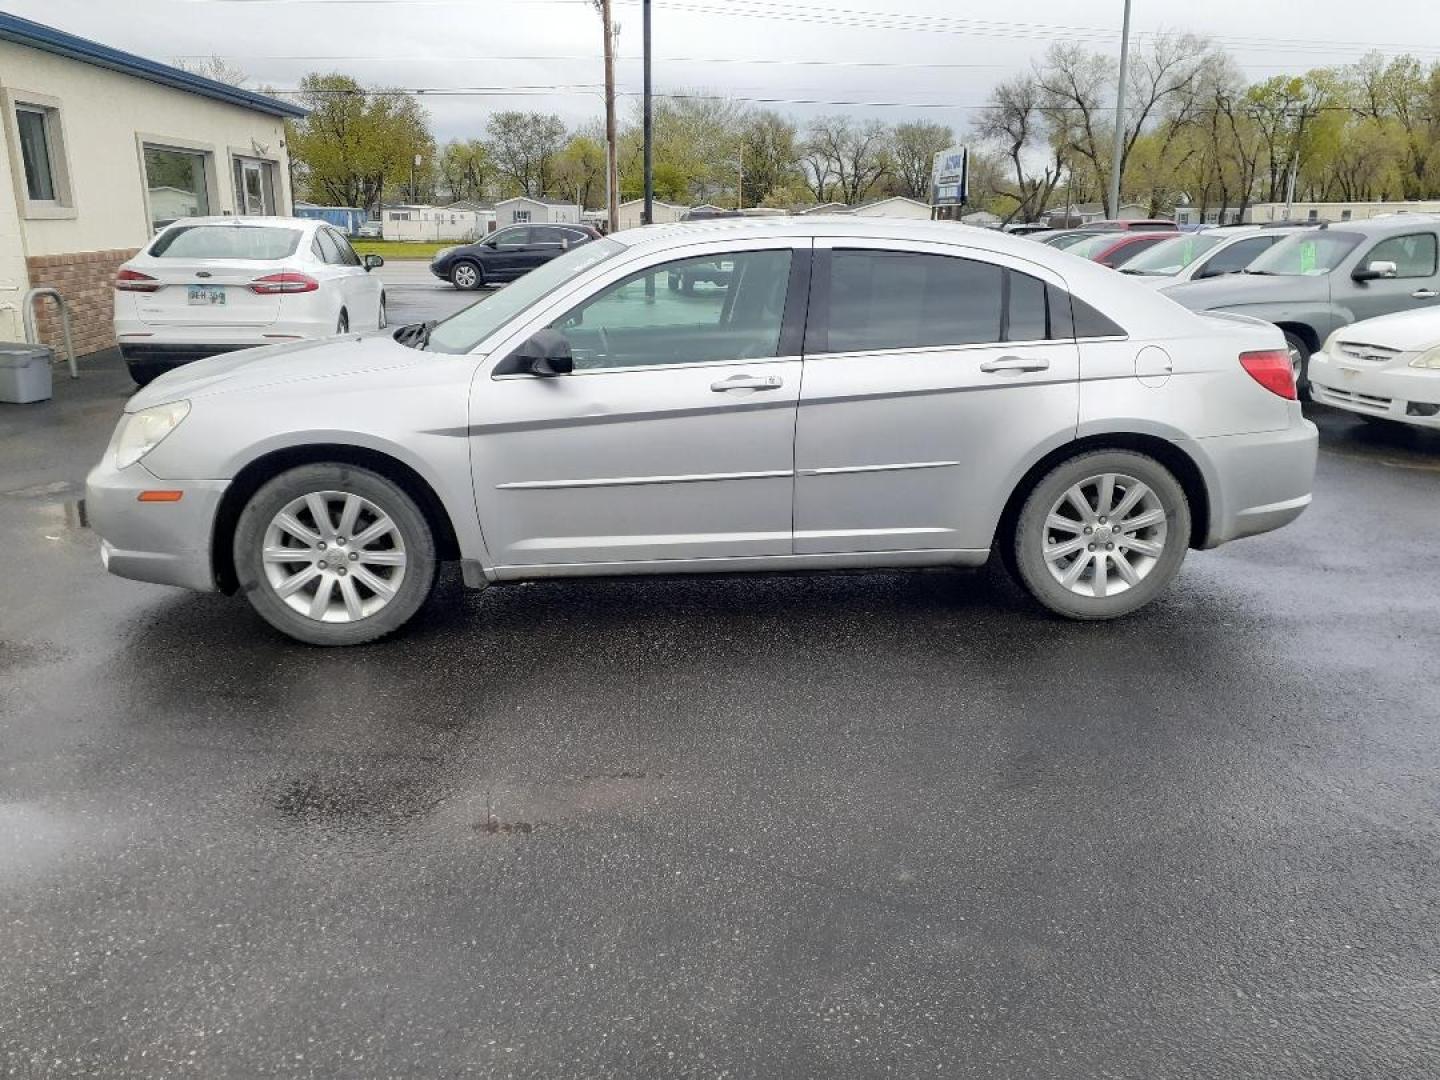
[[886, 824]]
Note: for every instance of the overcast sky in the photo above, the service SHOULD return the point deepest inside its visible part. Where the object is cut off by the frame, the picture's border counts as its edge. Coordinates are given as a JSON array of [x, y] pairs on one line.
[[935, 59]]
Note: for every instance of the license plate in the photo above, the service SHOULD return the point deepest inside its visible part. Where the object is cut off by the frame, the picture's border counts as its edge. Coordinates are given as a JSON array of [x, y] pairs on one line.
[[206, 294]]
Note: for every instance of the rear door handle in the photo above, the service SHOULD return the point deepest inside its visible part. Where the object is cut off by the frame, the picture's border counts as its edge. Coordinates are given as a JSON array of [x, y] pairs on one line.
[[748, 382], [1016, 364], [1425, 294]]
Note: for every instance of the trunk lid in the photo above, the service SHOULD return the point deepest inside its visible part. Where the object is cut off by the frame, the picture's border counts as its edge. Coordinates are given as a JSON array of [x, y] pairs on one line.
[[207, 292]]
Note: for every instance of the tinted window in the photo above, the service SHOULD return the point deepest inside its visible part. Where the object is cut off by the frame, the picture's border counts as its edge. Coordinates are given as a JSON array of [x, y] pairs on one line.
[[1124, 254], [1413, 255], [1237, 256], [902, 300], [225, 242], [513, 237], [1090, 322], [328, 251], [343, 249], [685, 312], [1026, 318], [1169, 258]]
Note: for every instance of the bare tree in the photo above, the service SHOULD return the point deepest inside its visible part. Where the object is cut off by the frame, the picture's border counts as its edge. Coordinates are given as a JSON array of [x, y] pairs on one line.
[[1013, 122], [851, 157], [523, 147], [913, 148], [212, 67]]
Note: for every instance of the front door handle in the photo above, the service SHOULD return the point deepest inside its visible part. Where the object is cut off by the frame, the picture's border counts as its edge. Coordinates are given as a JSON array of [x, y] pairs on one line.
[[1425, 294], [748, 382], [1016, 364]]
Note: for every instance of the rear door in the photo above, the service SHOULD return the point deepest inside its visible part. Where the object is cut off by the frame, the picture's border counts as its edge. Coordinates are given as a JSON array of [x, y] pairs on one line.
[[932, 375], [205, 272]]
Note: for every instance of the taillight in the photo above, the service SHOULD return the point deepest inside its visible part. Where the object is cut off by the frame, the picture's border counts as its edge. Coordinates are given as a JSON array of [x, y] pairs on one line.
[[287, 281], [1271, 369], [134, 281]]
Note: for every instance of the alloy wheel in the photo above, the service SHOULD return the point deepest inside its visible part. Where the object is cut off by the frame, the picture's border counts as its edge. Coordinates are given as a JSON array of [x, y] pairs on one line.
[[334, 556], [465, 276], [1104, 535]]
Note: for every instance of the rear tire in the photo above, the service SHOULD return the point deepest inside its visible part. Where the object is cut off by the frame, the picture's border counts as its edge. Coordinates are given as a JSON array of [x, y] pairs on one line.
[[1114, 513], [312, 582], [384, 319], [144, 374]]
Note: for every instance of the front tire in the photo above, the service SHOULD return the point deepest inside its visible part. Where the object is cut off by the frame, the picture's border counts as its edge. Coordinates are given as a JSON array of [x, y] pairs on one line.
[[1102, 534], [1299, 363], [466, 276], [334, 554]]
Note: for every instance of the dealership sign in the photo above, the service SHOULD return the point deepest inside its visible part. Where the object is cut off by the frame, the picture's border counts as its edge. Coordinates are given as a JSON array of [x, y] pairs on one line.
[[952, 176]]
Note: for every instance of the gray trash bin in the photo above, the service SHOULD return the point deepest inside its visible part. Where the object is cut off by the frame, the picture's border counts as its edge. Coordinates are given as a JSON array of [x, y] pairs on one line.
[[25, 373]]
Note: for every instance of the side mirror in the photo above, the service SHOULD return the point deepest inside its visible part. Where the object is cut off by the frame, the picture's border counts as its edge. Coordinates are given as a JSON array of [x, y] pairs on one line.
[[546, 353], [1381, 268], [372, 261], [492, 244]]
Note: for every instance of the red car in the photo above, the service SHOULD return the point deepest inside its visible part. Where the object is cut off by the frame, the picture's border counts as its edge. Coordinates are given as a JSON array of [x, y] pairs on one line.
[[1138, 225], [1114, 249]]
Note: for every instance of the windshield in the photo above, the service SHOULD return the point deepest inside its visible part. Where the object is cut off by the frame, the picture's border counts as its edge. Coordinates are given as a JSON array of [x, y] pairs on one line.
[[1306, 254], [464, 330], [257, 242], [1169, 257], [1090, 246], [1067, 240]]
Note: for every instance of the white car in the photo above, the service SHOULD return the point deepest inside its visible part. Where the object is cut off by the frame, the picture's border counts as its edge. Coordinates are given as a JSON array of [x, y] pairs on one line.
[[1206, 254], [216, 284], [1385, 369]]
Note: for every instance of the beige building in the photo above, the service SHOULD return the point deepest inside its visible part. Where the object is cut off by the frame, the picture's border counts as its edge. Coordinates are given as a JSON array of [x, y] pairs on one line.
[[457, 222], [524, 210], [1336, 211], [896, 206], [664, 213], [99, 148]]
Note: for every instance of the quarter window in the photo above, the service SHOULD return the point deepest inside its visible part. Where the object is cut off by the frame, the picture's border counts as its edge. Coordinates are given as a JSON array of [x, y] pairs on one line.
[[1413, 255], [693, 311]]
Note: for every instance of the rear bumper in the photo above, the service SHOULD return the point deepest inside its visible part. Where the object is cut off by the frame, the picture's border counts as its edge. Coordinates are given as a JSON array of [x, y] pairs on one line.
[[1387, 392], [1258, 482], [162, 356], [167, 543]]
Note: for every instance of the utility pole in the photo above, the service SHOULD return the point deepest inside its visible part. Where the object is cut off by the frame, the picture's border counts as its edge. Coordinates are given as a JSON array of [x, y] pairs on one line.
[[649, 125], [612, 177], [1117, 158]]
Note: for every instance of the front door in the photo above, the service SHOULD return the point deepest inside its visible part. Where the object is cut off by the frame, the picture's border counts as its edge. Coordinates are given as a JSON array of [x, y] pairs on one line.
[[932, 375], [673, 437], [1416, 282]]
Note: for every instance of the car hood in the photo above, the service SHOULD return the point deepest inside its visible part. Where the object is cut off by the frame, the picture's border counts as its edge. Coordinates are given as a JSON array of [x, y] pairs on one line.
[[250, 369], [1406, 331], [1242, 290]]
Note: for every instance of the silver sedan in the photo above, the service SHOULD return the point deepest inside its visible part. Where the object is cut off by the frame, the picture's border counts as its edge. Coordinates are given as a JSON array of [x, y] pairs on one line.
[[823, 394]]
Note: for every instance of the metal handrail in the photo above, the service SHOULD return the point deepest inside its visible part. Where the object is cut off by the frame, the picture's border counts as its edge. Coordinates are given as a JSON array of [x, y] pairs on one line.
[[33, 337]]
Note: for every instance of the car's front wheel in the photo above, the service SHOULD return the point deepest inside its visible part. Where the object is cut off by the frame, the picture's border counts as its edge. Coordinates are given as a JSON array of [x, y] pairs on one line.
[[334, 554], [1102, 534], [466, 275]]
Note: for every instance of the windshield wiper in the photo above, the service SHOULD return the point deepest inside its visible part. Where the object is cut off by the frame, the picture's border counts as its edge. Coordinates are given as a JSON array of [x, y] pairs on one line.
[[1259, 273], [416, 335]]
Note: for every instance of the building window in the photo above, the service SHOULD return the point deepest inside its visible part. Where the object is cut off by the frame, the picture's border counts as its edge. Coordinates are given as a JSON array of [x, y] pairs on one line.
[[1313, 215], [522, 216], [35, 152], [254, 186], [177, 184], [37, 141], [1344, 215]]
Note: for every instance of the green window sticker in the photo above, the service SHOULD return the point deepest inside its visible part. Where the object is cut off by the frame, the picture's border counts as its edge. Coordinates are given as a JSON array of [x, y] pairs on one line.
[[1307, 257]]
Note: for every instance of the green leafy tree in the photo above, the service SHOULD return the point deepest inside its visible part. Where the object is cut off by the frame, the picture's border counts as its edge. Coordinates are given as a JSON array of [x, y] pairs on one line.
[[356, 143], [913, 148], [465, 168], [524, 147]]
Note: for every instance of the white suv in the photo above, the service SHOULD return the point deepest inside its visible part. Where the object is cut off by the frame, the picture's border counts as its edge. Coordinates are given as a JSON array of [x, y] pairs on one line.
[[211, 285]]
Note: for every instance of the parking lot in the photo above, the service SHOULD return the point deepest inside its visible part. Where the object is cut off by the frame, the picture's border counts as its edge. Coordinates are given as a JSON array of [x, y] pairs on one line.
[[880, 824]]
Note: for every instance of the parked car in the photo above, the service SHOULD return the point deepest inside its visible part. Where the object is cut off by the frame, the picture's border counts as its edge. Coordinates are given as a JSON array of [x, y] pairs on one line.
[[212, 285], [507, 253], [1127, 225], [1027, 228], [371, 230], [1316, 281], [1200, 255], [1385, 370], [964, 392], [1064, 238], [1115, 249]]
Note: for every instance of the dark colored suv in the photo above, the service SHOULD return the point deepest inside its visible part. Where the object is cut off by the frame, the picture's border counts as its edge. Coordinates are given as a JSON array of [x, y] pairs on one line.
[[507, 253]]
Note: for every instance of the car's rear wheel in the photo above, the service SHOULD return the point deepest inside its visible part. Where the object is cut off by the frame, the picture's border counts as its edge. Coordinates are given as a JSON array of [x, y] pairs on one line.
[[1101, 534], [144, 374], [466, 275], [334, 554], [1299, 352]]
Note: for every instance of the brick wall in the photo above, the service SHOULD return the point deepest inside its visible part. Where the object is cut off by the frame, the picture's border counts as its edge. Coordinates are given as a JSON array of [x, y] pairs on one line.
[[85, 279]]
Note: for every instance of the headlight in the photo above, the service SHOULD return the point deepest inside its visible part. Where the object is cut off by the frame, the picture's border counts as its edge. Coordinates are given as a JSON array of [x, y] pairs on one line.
[[1429, 359], [1329, 347], [141, 432], [441, 254]]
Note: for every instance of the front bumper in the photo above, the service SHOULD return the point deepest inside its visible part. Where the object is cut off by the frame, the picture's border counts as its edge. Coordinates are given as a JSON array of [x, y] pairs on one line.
[[1259, 481], [167, 543], [1387, 391]]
